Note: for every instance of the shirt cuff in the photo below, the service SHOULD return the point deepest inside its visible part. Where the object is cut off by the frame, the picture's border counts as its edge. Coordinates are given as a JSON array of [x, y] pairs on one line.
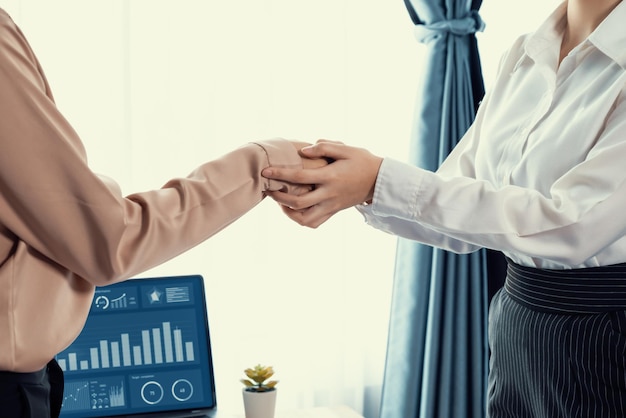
[[281, 153], [397, 190]]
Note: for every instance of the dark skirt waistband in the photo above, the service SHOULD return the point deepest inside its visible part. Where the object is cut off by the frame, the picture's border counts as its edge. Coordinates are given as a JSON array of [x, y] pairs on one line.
[[573, 291], [33, 378]]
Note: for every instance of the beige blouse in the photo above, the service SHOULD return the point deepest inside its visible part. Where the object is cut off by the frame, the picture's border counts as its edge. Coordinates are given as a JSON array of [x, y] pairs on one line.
[[64, 229]]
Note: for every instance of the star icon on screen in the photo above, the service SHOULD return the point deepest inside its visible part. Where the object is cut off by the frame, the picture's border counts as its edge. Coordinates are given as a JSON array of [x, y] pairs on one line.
[[154, 296]]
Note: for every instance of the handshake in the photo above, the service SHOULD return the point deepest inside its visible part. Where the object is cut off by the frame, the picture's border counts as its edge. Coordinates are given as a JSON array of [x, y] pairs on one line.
[[336, 177]]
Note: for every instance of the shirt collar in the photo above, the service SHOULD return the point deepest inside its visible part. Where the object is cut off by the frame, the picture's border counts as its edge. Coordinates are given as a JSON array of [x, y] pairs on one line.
[[544, 43], [609, 37]]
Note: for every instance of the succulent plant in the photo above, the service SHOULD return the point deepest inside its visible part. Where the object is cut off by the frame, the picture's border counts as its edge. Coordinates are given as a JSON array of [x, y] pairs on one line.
[[257, 379]]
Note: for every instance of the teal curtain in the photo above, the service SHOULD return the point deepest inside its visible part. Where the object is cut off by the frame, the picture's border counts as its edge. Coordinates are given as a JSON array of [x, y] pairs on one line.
[[437, 354]]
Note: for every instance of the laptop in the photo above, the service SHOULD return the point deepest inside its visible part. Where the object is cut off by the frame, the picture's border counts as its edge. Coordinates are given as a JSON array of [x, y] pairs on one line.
[[145, 351]]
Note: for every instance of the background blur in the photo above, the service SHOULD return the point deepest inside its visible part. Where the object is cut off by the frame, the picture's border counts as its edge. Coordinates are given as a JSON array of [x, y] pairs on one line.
[[157, 87]]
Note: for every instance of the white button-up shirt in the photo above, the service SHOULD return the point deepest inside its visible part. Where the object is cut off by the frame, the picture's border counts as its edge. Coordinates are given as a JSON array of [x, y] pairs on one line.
[[541, 174]]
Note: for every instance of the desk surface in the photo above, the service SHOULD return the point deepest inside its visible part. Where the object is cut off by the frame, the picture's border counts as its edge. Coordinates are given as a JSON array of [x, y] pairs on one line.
[[334, 412]]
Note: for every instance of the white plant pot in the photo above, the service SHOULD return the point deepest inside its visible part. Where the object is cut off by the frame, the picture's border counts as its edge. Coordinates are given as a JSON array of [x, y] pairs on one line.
[[259, 404]]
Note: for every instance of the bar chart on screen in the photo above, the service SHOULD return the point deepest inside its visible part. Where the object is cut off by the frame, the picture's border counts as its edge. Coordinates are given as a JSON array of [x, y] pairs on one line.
[[144, 347], [166, 342]]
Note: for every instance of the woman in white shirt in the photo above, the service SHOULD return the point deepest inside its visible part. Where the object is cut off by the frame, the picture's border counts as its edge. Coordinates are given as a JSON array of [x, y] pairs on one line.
[[540, 176]]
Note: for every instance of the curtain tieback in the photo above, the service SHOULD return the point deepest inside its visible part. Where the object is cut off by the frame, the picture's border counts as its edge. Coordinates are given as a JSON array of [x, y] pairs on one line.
[[464, 26]]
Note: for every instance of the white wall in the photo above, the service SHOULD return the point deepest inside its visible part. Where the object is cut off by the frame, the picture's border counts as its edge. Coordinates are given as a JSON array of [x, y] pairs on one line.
[[156, 87]]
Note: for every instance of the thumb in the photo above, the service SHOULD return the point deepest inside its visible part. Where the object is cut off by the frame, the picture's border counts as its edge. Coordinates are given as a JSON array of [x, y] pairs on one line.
[[328, 150], [329, 141]]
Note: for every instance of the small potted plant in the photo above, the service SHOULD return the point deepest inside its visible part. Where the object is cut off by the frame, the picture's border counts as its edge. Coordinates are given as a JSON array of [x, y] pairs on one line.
[[259, 394]]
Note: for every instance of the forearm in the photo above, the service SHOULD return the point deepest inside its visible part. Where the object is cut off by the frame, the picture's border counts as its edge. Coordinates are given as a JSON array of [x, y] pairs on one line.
[[414, 231], [512, 219], [86, 226]]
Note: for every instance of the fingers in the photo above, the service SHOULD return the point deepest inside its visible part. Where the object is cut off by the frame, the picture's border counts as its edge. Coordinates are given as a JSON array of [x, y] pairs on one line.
[[310, 217], [304, 209], [330, 141], [291, 175], [308, 163], [326, 149], [298, 203], [299, 144], [295, 215]]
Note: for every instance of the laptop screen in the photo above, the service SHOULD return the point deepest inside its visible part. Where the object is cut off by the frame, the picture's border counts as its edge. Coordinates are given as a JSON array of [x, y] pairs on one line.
[[145, 348]]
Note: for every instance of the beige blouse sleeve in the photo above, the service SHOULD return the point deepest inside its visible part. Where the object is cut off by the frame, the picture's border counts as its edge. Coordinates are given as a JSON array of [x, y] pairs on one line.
[[52, 201]]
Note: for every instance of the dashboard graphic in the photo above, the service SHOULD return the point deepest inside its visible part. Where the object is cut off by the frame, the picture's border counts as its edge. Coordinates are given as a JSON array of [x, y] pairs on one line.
[[144, 348]]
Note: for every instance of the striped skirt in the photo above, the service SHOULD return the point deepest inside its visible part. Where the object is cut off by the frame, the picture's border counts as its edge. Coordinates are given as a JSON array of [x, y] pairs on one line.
[[558, 344]]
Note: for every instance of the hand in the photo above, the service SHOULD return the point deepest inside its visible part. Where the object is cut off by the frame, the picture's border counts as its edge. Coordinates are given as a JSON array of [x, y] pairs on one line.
[[349, 180], [308, 162]]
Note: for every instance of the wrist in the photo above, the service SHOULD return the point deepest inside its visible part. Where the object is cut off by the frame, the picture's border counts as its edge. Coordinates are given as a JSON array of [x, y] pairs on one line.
[[369, 199]]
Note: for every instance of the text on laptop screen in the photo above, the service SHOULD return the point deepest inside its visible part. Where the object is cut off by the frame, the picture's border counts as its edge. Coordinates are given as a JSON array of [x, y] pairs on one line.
[[144, 348]]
